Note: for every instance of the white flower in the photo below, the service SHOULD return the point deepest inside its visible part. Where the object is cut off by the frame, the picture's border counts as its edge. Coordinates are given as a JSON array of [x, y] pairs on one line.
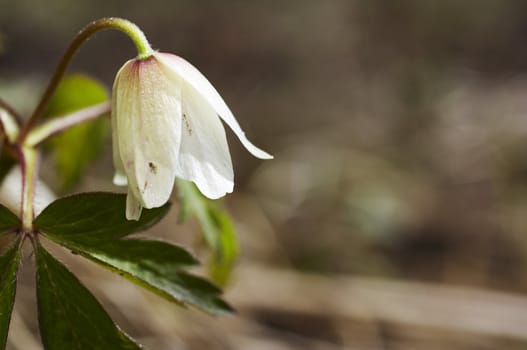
[[166, 123]]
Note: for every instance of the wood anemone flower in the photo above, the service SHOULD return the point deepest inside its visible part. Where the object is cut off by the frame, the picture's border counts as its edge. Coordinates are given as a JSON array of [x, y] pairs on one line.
[[166, 123]]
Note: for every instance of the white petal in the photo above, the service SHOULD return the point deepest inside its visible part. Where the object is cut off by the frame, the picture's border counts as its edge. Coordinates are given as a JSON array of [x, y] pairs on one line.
[[193, 76], [204, 156], [11, 189], [119, 178], [133, 207], [148, 120]]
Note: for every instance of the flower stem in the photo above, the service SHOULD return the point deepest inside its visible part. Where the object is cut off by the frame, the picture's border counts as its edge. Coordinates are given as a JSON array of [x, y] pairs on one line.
[[29, 163], [56, 125], [143, 48]]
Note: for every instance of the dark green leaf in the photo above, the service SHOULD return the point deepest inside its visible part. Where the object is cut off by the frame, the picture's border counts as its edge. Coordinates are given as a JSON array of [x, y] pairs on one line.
[[8, 220], [8, 270], [94, 216], [75, 148], [216, 226], [154, 265], [69, 315], [91, 224]]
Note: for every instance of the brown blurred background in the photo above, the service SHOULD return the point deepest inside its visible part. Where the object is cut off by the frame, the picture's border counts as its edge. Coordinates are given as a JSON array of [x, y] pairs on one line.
[[395, 211]]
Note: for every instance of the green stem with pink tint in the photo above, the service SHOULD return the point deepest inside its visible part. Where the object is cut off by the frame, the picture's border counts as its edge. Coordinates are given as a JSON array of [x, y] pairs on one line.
[[29, 163], [144, 51]]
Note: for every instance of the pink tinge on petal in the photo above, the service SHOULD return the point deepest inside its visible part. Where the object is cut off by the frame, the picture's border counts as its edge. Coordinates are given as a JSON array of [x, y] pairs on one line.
[[148, 131]]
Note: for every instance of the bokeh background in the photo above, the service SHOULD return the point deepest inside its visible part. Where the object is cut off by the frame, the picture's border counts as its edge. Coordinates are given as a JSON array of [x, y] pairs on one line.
[[394, 214]]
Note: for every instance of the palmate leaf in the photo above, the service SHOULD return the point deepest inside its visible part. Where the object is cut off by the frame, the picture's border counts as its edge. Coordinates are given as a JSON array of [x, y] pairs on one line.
[[75, 148], [156, 266], [8, 220], [93, 217], [92, 224], [216, 226], [8, 270], [69, 315]]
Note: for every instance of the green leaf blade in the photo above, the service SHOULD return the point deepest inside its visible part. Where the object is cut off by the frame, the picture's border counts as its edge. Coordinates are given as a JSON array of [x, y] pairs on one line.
[[156, 266], [94, 216], [151, 265], [8, 220], [9, 263], [92, 225], [69, 315]]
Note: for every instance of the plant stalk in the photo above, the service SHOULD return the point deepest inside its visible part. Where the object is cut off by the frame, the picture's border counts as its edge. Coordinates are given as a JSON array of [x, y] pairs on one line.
[[143, 48]]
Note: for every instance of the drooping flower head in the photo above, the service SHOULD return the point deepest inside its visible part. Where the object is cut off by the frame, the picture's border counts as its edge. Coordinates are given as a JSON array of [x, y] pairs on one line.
[[166, 123]]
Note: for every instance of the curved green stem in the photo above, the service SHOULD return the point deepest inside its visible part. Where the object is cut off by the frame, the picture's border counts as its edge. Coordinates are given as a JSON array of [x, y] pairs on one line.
[[29, 163], [143, 48]]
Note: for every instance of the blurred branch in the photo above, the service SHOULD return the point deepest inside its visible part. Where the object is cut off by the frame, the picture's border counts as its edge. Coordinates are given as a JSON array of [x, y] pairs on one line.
[[6, 106], [457, 309], [61, 123]]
